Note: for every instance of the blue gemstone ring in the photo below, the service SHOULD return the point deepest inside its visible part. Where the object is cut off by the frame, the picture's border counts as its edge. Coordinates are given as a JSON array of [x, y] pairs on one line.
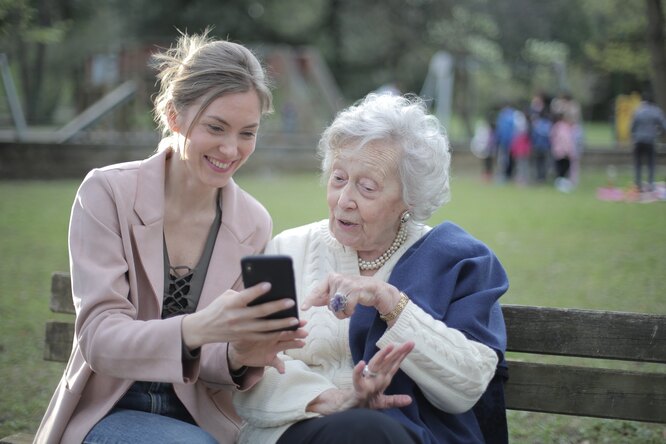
[[338, 302]]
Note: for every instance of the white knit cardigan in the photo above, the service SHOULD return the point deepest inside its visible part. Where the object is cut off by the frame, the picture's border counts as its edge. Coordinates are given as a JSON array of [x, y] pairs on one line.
[[451, 370]]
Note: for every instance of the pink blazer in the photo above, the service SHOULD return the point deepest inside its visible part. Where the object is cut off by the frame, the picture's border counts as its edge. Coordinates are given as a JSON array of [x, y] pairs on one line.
[[117, 269]]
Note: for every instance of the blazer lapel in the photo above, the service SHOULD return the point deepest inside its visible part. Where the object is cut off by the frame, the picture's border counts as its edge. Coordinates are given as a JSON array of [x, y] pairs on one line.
[[149, 237], [224, 269]]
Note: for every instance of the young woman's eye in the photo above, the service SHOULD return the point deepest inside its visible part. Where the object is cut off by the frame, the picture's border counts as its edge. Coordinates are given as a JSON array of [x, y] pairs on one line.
[[215, 128], [248, 134]]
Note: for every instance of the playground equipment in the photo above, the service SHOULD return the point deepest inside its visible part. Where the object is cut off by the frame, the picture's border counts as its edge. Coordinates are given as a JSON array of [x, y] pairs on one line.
[[12, 98], [23, 133], [438, 85], [306, 97]]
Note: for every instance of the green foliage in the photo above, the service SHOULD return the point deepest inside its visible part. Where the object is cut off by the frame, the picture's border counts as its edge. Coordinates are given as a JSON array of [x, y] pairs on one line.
[[48, 35], [15, 14], [366, 44], [291, 18], [617, 40], [620, 57], [20, 18], [29, 31], [545, 52]]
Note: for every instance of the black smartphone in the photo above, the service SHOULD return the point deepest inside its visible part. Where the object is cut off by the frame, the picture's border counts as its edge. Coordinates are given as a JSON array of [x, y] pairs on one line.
[[279, 271]]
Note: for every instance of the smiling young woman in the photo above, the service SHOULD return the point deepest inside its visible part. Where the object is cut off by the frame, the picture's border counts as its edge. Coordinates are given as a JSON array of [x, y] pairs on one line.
[[164, 334]]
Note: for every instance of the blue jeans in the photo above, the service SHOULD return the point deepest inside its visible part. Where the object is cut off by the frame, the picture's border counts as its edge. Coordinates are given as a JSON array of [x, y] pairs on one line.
[[149, 412]]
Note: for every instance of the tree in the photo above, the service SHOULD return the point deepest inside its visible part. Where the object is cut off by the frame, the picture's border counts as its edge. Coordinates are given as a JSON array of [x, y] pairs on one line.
[[656, 41], [29, 29]]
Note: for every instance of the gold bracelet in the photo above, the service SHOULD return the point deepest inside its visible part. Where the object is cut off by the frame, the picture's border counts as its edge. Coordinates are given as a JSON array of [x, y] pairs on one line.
[[402, 303]]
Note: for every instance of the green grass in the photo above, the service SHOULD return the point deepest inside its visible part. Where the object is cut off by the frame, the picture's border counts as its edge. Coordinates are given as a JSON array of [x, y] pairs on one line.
[[33, 223], [559, 250], [599, 134]]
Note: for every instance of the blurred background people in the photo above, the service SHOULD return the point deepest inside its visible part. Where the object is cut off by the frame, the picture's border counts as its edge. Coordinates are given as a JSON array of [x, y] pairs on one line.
[[540, 137], [647, 124], [563, 146]]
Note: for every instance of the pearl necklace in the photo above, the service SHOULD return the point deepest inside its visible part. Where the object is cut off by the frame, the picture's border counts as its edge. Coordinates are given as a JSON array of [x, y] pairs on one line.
[[381, 260]]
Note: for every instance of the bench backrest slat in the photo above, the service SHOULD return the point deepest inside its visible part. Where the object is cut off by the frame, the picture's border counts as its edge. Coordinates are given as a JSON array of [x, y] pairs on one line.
[[586, 333], [61, 293], [584, 391], [58, 343]]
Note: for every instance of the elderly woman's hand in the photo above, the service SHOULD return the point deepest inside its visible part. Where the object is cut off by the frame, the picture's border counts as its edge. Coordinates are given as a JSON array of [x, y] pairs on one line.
[[341, 293], [370, 382]]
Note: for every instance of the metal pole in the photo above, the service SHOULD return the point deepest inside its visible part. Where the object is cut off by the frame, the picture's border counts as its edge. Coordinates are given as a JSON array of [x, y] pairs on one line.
[[12, 98]]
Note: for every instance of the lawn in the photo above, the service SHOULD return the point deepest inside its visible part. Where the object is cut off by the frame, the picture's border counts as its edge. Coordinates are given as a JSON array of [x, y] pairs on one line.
[[562, 250]]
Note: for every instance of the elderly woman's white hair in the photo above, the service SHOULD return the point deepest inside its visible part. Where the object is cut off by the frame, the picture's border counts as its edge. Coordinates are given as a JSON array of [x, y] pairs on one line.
[[402, 122]]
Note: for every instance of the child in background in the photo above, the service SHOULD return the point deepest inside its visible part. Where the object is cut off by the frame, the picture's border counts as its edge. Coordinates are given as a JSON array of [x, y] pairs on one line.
[[540, 135], [563, 146]]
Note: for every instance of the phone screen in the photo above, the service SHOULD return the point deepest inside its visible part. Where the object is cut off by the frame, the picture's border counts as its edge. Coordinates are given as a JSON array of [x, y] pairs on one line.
[[279, 271]]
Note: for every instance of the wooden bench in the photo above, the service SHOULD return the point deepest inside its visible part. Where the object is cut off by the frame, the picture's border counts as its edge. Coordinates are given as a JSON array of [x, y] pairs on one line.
[[583, 389], [586, 390]]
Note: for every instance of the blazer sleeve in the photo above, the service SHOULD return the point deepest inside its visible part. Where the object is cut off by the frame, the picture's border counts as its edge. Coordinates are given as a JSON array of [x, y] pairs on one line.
[[111, 339]]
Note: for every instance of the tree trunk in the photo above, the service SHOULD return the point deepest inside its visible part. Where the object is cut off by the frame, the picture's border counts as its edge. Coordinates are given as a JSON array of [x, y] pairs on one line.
[[334, 25], [656, 42], [26, 77]]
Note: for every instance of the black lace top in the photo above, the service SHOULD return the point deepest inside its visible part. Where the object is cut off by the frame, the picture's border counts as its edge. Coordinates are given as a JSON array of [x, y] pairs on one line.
[[182, 284]]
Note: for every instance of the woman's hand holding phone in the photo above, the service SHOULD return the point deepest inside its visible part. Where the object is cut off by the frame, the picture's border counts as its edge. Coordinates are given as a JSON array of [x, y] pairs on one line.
[[279, 272], [254, 341]]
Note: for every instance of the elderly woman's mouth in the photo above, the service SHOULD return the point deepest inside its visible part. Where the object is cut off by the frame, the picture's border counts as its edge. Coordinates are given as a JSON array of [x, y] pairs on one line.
[[345, 223]]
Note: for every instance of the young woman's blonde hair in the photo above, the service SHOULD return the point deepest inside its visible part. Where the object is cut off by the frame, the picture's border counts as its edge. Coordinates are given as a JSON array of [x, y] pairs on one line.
[[199, 67]]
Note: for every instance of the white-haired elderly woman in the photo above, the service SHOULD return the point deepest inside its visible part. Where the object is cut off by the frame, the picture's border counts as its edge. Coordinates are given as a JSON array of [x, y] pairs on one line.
[[405, 329]]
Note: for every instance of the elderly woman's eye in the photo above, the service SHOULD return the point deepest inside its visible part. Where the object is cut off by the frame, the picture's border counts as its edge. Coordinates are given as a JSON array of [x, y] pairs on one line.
[[367, 186]]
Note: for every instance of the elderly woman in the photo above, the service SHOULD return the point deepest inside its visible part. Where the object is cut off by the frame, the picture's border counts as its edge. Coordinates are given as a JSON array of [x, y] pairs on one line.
[[405, 331]]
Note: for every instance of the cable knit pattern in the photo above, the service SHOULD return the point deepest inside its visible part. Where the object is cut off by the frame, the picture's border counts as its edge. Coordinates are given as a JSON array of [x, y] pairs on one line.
[[451, 370], [442, 354]]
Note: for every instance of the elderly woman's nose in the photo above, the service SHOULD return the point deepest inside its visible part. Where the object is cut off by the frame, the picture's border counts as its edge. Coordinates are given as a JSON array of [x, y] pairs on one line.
[[347, 198]]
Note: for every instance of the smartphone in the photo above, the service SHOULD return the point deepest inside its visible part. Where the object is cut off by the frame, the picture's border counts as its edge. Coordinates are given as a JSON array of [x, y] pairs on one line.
[[279, 271]]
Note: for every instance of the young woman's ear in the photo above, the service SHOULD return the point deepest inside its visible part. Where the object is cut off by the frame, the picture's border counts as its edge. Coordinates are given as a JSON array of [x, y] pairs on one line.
[[172, 118]]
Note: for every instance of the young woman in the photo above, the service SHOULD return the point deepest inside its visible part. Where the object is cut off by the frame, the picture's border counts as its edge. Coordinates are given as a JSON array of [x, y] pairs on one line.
[[163, 331]]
